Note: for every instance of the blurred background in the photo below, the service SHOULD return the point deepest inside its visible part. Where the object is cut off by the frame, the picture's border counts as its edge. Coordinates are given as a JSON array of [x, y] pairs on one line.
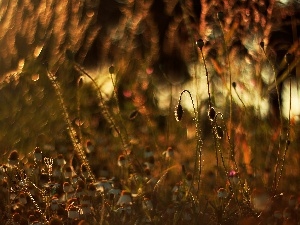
[[142, 54]]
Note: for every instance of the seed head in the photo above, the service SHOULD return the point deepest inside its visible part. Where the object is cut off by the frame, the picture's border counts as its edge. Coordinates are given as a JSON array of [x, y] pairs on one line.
[[133, 114], [178, 112], [262, 44], [14, 155], [211, 114], [111, 69], [80, 82], [289, 58], [200, 43], [234, 84], [69, 55], [219, 132], [220, 16]]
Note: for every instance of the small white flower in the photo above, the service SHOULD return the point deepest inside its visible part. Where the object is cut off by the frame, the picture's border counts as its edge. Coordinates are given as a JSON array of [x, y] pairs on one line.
[[125, 198], [103, 186], [60, 160], [169, 153], [122, 161]]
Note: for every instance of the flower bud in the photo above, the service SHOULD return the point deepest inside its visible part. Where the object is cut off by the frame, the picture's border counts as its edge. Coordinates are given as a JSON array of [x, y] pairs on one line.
[[211, 114], [200, 43], [178, 112]]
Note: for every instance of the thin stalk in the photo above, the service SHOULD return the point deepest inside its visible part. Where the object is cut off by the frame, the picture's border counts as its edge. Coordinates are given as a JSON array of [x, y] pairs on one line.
[[287, 143], [72, 133], [198, 153], [230, 78], [280, 117], [104, 108], [118, 108]]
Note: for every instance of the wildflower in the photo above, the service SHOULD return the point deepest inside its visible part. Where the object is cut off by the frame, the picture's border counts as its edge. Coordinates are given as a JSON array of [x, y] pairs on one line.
[[60, 160], [89, 146], [114, 193], [233, 84], [122, 162], [169, 153], [262, 44], [219, 132], [38, 156], [111, 69], [211, 114], [80, 82], [189, 179], [200, 44], [220, 16], [13, 158], [222, 193], [289, 58], [233, 176], [103, 186], [125, 198], [178, 112], [133, 114], [176, 193]]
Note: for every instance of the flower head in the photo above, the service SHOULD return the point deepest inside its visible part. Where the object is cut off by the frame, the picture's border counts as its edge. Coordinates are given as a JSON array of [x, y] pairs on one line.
[[125, 198], [178, 112], [13, 158]]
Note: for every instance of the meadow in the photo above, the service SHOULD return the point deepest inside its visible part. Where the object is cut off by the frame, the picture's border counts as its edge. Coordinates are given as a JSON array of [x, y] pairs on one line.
[[149, 112]]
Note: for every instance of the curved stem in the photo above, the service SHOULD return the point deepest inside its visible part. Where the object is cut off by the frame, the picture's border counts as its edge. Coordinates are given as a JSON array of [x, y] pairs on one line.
[[198, 154]]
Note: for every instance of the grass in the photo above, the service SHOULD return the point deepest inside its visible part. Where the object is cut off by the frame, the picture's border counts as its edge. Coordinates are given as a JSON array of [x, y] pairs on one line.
[[73, 153]]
